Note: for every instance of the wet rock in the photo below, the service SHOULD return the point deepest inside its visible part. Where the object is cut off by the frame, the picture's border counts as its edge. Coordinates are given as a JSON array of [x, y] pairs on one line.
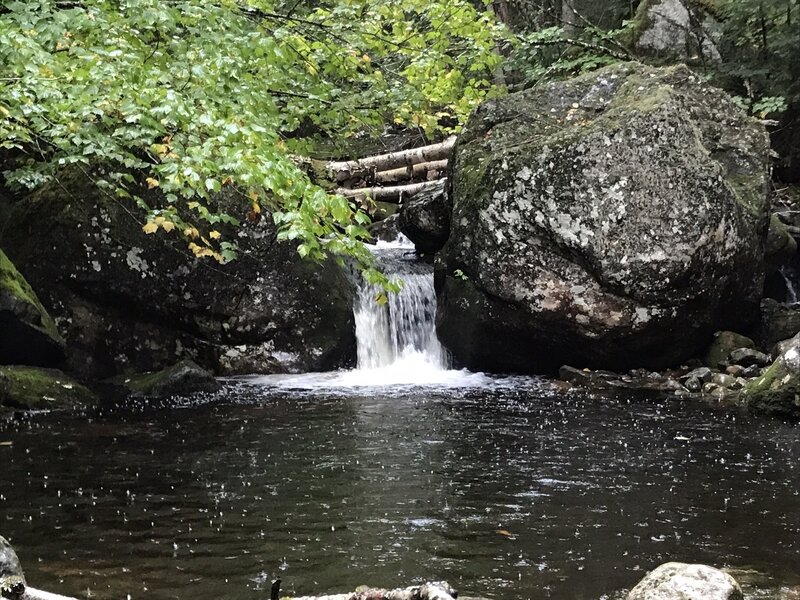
[[778, 322], [746, 357], [12, 579], [703, 374], [607, 380], [182, 379], [28, 336], [723, 380], [693, 384], [386, 230], [33, 388], [781, 246], [681, 581], [752, 371], [734, 370], [777, 390], [555, 255], [676, 30], [718, 353], [425, 220], [126, 301]]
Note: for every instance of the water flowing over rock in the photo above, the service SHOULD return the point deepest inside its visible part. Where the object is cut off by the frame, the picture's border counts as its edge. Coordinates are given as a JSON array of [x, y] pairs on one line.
[[681, 581], [615, 220], [126, 301], [406, 324]]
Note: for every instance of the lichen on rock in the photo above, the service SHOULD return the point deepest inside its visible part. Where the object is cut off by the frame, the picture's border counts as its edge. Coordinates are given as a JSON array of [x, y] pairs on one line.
[[614, 220]]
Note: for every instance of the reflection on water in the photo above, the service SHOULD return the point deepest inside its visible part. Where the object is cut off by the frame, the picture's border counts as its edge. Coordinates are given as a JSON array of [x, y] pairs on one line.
[[509, 491]]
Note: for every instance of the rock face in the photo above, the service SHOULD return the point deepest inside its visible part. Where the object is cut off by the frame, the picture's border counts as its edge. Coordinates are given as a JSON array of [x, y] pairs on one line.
[[126, 301], [777, 391], [778, 322], [425, 220], [31, 388], [613, 221], [680, 581], [27, 333], [676, 30]]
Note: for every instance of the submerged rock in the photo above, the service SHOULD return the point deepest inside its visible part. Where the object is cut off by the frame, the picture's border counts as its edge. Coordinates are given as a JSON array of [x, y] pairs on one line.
[[28, 335], [425, 220], [32, 388], [126, 301], [681, 581], [777, 390], [12, 579], [182, 379], [614, 220]]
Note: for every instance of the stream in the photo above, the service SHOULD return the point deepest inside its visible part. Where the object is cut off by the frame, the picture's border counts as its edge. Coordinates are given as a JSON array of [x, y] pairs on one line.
[[401, 471]]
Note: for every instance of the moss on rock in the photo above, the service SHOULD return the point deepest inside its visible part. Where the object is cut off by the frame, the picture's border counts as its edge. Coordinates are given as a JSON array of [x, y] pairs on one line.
[[31, 388], [28, 334], [777, 391], [182, 379]]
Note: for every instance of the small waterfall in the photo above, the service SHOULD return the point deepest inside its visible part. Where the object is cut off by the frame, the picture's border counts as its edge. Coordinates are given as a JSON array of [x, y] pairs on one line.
[[402, 331], [791, 289]]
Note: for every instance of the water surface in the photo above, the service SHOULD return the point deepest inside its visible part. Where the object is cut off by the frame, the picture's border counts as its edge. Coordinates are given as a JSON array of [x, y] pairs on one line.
[[511, 489]]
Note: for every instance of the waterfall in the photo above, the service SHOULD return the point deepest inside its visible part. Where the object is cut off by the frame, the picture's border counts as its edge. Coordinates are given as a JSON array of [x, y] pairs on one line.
[[791, 290], [403, 330]]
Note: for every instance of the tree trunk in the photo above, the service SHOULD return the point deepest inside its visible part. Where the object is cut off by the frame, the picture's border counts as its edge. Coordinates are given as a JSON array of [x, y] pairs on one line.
[[392, 193], [350, 169]]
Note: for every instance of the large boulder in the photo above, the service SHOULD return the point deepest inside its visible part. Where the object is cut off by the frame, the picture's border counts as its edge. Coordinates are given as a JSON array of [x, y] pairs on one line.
[[681, 581], [778, 322], [777, 391], [28, 334], [614, 220], [130, 302], [425, 219]]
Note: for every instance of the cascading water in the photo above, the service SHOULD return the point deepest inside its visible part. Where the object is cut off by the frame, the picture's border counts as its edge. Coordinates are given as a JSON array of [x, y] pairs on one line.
[[404, 328]]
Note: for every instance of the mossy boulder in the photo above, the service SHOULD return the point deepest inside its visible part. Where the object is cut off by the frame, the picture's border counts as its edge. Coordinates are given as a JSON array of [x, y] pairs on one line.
[[725, 342], [131, 302], [777, 391], [182, 379], [32, 388], [614, 220], [28, 334], [781, 246]]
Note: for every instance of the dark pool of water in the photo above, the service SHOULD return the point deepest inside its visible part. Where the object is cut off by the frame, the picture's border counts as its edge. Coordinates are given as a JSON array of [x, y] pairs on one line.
[[518, 492]]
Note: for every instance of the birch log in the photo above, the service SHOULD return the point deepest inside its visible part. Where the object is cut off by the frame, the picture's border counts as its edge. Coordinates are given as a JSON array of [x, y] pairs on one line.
[[411, 172], [391, 193], [350, 169]]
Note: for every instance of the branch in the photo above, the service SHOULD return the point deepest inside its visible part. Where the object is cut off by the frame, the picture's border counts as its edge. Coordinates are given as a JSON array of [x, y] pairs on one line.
[[581, 44], [411, 172]]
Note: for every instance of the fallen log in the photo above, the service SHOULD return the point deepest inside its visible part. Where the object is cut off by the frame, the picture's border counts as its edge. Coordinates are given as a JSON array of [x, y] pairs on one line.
[[410, 172], [438, 590], [392, 193], [351, 169]]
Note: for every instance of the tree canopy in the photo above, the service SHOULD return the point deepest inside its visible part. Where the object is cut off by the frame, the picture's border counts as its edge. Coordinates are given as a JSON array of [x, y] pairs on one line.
[[190, 96]]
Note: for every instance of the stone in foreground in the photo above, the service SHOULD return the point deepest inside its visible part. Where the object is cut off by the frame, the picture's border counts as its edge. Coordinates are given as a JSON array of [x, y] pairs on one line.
[[615, 220], [681, 581], [12, 579], [182, 379]]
